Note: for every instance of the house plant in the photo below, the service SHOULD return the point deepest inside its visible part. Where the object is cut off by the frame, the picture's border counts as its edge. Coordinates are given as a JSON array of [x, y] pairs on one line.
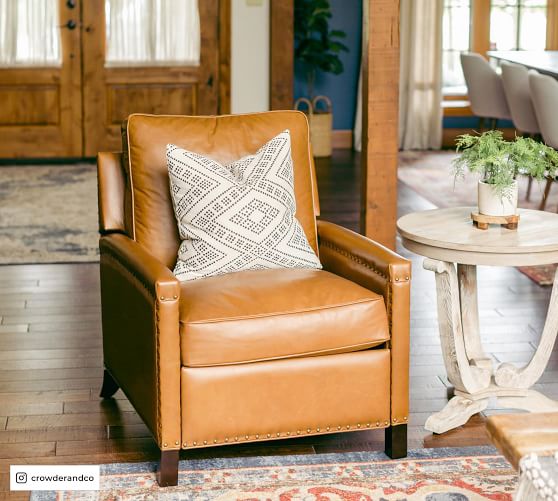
[[317, 49], [499, 163]]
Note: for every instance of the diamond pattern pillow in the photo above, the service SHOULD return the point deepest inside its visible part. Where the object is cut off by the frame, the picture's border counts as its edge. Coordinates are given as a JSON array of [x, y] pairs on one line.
[[239, 216]]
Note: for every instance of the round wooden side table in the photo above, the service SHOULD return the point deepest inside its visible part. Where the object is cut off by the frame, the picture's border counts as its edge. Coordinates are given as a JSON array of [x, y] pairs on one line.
[[453, 248]]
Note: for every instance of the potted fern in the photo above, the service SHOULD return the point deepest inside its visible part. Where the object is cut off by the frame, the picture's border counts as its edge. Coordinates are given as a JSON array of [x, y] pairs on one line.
[[499, 163]]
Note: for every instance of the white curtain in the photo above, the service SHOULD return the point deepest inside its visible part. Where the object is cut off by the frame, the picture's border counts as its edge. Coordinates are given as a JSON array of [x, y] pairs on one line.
[[29, 33], [152, 32], [420, 77]]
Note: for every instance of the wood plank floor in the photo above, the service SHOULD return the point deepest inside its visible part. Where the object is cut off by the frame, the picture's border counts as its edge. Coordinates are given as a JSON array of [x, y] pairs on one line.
[[51, 358]]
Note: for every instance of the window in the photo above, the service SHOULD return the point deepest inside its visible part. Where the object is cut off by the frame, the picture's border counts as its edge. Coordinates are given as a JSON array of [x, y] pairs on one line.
[[455, 39], [482, 25], [518, 24]]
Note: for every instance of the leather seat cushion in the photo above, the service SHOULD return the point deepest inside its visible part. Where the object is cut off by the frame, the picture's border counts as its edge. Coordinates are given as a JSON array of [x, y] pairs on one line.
[[258, 315]]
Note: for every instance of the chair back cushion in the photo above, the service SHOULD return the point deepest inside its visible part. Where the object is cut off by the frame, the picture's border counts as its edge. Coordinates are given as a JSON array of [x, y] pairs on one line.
[[224, 138]]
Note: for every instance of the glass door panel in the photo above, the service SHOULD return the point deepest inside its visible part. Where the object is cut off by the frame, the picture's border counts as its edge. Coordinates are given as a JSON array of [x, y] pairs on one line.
[[30, 33], [152, 33]]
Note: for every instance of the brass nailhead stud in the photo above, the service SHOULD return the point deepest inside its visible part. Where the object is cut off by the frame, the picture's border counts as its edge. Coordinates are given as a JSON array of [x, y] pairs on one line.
[[246, 437], [348, 427], [164, 445], [397, 279], [195, 443], [257, 436], [405, 418], [215, 441], [288, 433], [308, 430], [387, 422], [368, 425], [278, 434], [377, 423], [205, 442], [406, 278], [162, 298], [236, 439], [268, 435], [317, 429], [339, 427], [358, 425], [226, 439], [175, 297], [327, 428], [395, 420], [184, 444], [298, 432], [177, 442]]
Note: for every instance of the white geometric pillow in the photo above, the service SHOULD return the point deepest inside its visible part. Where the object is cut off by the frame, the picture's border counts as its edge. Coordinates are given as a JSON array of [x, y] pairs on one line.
[[239, 216]]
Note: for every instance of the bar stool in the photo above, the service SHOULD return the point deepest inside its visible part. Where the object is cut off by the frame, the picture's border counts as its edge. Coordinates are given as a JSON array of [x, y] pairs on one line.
[[544, 94], [518, 95], [485, 89]]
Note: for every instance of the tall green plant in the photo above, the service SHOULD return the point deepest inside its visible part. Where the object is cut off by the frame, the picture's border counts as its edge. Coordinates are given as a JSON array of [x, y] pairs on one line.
[[499, 162], [316, 46]]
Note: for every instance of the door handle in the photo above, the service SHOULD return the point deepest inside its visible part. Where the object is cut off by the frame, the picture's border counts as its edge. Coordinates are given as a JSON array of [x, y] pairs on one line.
[[71, 25]]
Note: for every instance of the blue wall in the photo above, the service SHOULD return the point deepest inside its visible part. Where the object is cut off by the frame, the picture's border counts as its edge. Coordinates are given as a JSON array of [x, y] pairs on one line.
[[341, 89]]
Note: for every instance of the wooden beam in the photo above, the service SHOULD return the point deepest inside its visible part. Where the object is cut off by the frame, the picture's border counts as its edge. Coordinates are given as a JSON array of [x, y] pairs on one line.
[[281, 46], [480, 26], [552, 25], [380, 121]]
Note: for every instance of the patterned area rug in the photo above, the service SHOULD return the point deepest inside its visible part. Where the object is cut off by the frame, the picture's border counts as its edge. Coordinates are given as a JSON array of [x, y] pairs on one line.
[[465, 474], [48, 214], [429, 174]]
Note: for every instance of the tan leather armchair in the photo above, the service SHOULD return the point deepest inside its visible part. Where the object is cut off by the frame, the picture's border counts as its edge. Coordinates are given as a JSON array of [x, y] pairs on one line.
[[254, 355]]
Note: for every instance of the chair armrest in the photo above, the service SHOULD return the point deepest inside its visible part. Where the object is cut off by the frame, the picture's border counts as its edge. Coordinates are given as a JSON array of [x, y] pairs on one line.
[[380, 270], [141, 342]]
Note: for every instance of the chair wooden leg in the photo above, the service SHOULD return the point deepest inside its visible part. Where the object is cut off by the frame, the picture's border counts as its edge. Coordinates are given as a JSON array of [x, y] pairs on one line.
[[167, 473], [481, 125], [110, 386], [494, 123], [396, 441], [529, 186], [549, 182]]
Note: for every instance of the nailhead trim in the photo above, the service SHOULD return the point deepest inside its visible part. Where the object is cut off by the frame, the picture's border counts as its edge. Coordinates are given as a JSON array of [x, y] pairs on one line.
[[278, 434]]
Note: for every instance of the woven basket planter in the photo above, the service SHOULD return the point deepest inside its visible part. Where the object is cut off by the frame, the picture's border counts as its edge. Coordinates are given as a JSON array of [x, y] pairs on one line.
[[321, 124]]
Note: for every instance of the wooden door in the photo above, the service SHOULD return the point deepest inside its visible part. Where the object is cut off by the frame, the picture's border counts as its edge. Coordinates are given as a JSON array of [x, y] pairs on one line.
[[111, 93], [40, 106]]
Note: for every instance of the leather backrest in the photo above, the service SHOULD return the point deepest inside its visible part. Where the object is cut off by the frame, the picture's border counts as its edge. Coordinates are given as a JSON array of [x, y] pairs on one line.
[[223, 138]]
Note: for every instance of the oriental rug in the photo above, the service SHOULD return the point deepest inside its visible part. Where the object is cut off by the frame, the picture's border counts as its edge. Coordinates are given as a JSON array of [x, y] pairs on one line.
[[463, 474]]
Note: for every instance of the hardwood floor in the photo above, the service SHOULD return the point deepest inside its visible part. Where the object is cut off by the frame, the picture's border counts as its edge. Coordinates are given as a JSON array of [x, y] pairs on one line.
[[51, 357]]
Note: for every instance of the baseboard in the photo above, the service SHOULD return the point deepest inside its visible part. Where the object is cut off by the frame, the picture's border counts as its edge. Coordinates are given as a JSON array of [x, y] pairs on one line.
[[342, 139], [450, 135]]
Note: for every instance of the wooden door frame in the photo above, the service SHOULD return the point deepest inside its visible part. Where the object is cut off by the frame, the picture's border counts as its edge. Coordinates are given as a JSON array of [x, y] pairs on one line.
[[224, 57]]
